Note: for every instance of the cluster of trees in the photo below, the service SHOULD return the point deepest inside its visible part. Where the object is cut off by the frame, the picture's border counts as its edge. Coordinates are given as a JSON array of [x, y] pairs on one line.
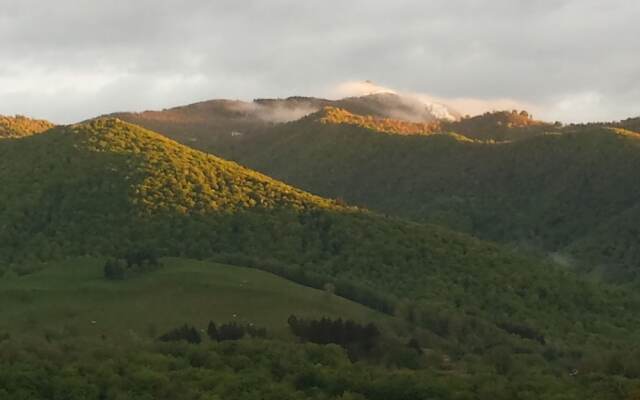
[[19, 125], [227, 331], [346, 333], [185, 332], [333, 115], [134, 262], [234, 331], [95, 369], [523, 331]]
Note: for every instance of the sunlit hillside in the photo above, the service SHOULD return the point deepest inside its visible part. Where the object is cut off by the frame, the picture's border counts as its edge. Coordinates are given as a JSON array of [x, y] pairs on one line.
[[553, 191], [18, 126]]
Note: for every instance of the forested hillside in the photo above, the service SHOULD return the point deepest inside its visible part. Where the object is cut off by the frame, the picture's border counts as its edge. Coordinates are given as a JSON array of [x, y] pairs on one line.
[[110, 188], [563, 191]]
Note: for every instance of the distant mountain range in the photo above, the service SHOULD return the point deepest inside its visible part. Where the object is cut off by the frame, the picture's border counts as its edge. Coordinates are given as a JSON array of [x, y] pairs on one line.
[[216, 122]]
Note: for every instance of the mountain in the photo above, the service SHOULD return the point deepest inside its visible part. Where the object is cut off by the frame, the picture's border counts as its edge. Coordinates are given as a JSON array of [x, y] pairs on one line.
[[111, 186], [479, 188], [18, 126], [487, 315], [556, 189], [223, 123], [499, 126]]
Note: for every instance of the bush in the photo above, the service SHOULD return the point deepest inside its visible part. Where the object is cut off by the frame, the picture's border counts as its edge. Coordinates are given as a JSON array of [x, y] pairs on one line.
[[115, 269], [185, 332], [233, 331], [230, 331]]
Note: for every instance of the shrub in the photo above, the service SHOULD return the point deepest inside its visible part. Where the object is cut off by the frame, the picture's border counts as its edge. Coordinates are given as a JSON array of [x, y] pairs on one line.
[[185, 332]]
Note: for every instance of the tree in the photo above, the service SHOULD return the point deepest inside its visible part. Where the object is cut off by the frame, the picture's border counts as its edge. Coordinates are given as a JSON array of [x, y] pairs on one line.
[[212, 331], [114, 269], [185, 332], [230, 331], [415, 345]]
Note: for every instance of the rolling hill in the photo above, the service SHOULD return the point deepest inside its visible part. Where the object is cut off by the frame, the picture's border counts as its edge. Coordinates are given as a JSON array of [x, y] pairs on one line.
[[110, 187], [555, 190]]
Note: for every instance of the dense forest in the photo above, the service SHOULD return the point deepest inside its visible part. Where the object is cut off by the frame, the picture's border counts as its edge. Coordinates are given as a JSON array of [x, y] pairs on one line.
[[564, 192], [114, 190], [569, 193]]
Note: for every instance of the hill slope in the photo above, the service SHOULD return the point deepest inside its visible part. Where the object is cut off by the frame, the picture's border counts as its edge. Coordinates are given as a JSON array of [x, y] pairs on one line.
[[555, 192], [68, 295], [110, 186]]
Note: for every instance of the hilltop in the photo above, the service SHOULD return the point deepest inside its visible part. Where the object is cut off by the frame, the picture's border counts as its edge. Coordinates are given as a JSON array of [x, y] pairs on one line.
[[500, 126], [225, 123], [18, 126]]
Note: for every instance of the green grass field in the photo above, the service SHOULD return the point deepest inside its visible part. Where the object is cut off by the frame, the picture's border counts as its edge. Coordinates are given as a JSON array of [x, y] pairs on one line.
[[73, 298]]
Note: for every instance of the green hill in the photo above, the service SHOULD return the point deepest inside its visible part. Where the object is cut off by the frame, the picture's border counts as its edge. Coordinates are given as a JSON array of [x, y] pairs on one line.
[[107, 187], [554, 192], [18, 126], [110, 187]]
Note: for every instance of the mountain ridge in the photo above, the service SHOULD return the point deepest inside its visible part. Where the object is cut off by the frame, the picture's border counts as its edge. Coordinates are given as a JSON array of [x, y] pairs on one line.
[[463, 184], [19, 126]]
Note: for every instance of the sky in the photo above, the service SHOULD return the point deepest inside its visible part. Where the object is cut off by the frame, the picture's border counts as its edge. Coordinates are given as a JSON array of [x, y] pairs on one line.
[[566, 60]]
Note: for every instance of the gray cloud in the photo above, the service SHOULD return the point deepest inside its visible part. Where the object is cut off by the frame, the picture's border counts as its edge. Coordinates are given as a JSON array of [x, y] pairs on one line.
[[72, 59]]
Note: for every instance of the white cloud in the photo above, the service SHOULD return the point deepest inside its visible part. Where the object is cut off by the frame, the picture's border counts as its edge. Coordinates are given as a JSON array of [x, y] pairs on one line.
[[88, 56], [463, 105]]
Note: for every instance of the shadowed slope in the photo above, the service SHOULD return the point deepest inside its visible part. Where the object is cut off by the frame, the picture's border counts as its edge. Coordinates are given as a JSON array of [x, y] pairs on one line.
[[549, 192]]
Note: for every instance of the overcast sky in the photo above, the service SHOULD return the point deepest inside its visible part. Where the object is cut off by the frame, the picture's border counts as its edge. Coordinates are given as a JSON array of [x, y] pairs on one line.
[[569, 60]]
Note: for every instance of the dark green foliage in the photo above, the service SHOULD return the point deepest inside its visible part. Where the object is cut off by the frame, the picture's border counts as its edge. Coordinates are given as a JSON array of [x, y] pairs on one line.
[[414, 344], [234, 331], [212, 331], [185, 332], [255, 331], [522, 331], [244, 370], [115, 269], [347, 333], [571, 192], [134, 263], [230, 331], [142, 258]]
